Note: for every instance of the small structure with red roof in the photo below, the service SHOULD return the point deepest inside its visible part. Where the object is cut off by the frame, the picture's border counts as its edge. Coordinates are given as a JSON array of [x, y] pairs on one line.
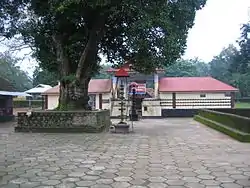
[[99, 92]]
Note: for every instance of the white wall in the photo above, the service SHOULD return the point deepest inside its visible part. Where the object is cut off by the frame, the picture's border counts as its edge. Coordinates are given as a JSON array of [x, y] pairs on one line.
[[116, 106], [166, 100], [53, 101], [164, 95], [197, 96], [195, 101], [151, 107], [106, 96]]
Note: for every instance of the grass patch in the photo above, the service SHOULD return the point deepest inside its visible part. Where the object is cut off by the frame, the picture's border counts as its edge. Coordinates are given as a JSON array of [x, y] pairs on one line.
[[242, 105]]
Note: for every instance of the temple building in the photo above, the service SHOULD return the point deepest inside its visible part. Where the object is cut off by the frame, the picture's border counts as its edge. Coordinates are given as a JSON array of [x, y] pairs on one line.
[[156, 95]]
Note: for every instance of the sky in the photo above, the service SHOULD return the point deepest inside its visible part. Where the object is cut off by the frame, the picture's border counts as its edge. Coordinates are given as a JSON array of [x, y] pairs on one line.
[[216, 26]]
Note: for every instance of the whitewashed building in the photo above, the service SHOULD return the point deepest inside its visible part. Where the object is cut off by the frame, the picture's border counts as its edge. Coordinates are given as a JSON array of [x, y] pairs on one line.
[[36, 91], [99, 93], [167, 97]]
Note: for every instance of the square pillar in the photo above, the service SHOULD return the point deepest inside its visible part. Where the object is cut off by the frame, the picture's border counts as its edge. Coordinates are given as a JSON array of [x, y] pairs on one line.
[[100, 101], [232, 99], [174, 100], [156, 85]]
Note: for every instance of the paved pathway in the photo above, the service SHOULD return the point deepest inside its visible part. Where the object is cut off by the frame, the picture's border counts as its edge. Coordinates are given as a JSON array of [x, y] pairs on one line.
[[161, 153]]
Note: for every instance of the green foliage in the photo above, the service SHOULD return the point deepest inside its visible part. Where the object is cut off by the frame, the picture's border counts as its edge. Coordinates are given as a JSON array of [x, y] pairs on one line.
[[187, 68], [231, 66], [234, 121], [102, 73], [242, 105], [67, 36], [26, 103], [152, 33], [242, 60], [242, 137], [237, 111], [11, 72], [41, 76]]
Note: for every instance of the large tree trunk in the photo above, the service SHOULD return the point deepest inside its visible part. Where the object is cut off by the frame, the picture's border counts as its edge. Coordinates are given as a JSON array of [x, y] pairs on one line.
[[74, 92]]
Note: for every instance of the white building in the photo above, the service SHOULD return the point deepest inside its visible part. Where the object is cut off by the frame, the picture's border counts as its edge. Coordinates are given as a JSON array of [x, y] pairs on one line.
[[38, 90], [171, 96], [99, 93]]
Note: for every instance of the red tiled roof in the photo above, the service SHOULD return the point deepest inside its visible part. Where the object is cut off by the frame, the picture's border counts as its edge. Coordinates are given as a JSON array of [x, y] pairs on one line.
[[128, 66], [121, 73], [95, 86], [193, 84]]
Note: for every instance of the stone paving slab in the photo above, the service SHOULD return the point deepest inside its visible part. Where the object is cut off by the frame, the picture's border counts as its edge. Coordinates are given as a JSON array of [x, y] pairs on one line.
[[160, 153]]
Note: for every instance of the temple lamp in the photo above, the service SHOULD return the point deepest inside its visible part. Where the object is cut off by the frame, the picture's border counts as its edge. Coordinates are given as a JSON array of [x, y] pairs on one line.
[[122, 75]]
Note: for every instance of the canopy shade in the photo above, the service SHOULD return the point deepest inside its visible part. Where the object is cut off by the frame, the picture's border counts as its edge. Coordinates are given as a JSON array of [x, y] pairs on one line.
[[13, 93]]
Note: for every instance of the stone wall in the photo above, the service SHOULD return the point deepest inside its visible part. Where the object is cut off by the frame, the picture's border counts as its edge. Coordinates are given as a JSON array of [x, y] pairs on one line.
[[63, 121]]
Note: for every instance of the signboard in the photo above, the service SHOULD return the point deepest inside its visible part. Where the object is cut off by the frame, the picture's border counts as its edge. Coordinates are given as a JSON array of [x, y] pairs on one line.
[[140, 89]]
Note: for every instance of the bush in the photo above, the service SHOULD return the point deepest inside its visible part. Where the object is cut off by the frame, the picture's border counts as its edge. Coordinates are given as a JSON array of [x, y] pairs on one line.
[[242, 137], [237, 111], [25, 104], [244, 99], [231, 120]]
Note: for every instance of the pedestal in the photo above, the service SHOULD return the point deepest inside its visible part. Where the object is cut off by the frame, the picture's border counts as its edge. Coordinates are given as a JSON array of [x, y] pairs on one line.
[[121, 127]]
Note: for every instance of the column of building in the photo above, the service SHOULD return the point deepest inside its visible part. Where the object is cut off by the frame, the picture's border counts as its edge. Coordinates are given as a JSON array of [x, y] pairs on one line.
[[156, 85]]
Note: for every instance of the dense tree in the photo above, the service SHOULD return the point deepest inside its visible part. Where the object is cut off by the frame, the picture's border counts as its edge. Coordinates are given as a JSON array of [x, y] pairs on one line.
[[102, 73], [68, 35], [187, 68], [10, 71], [220, 65], [43, 76], [229, 66], [242, 59]]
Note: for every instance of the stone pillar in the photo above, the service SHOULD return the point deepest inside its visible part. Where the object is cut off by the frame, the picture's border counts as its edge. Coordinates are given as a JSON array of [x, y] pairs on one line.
[[126, 89], [114, 80], [46, 102], [232, 99], [100, 101], [156, 85], [174, 100]]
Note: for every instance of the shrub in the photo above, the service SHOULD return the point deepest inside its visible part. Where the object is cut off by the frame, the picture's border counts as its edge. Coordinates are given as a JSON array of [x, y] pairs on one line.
[[231, 120], [242, 137], [26, 103], [241, 112]]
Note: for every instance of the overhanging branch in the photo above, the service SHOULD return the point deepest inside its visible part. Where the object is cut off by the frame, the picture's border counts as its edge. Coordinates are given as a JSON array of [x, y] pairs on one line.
[[94, 38]]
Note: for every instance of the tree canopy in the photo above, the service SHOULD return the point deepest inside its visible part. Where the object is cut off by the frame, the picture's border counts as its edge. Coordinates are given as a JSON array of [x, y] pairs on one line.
[[69, 35], [41, 76], [10, 71]]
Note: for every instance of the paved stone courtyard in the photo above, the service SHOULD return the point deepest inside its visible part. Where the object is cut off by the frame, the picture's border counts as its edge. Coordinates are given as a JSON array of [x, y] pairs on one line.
[[160, 153]]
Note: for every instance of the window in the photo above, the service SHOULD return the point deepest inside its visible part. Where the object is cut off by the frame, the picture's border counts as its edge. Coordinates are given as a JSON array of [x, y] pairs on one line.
[[145, 108], [202, 95]]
